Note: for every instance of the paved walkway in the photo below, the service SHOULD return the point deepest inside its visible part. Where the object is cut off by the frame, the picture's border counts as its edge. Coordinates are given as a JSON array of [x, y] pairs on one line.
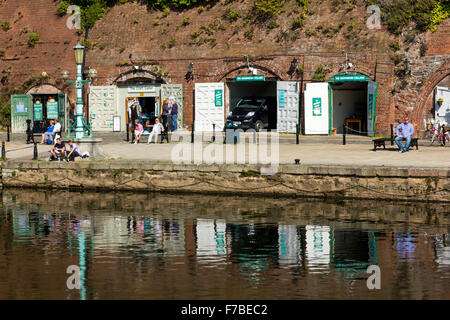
[[311, 150]]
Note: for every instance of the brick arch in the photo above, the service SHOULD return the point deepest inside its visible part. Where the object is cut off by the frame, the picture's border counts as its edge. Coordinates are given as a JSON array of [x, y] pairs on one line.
[[34, 89], [245, 66], [136, 74], [418, 113]]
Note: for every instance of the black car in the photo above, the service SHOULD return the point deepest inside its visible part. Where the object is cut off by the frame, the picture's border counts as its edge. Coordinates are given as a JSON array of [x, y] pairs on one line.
[[253, 113]]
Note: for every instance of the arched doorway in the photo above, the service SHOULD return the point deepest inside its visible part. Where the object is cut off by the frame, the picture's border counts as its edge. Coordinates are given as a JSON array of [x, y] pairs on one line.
[[352, 103], [40, 104], [109, 105], [247, 96], [425, 105]]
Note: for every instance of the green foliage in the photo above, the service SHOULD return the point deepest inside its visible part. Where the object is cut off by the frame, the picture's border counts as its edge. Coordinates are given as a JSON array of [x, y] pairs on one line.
[[395, 46], [320, 73], [6, 25], [172, 42], [297, 23], [33, 38], [62, 7], [249, 33], [5, 111], [426, 14], [423, 49], [231, 15], [268, 8], [186, 21]]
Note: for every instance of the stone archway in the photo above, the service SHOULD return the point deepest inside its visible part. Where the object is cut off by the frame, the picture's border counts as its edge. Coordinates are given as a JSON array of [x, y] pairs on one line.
[[137, 75], [420, 108], [267, 70]]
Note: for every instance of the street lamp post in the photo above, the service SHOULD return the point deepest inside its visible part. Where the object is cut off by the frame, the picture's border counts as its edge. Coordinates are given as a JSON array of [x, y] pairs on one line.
[[79, 84]]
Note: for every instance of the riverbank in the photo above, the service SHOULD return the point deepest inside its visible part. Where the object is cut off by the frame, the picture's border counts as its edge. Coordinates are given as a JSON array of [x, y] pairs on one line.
[[317, 181]]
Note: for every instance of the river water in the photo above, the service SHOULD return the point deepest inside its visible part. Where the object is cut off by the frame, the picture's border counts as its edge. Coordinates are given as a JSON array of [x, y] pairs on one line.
[[156, 246]]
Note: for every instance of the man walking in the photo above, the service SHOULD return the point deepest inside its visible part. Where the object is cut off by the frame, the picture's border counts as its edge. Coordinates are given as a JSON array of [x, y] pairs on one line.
[[174, 113], [404, 132]]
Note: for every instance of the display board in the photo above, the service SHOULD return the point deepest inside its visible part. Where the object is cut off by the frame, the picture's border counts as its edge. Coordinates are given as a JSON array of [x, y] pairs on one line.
[[317, 108], [102, 107], [288, 106]]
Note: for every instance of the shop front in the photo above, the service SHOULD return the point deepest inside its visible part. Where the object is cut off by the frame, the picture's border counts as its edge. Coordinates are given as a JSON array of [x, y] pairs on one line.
[[109, 106], [347, 101], [40, 105], [257, 102]]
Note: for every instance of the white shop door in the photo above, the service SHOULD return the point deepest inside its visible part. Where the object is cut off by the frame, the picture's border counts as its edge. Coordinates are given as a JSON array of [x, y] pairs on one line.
[[102, 107], [209, 106], [442, 112], [317, 119], [371, 106], [287, 106]]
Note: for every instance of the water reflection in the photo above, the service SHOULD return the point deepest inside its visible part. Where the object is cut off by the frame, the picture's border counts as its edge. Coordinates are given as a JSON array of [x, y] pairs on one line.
[[190, 247]]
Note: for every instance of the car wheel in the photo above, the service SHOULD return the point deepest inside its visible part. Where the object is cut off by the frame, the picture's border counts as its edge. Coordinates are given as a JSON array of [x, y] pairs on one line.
[[259, 126]]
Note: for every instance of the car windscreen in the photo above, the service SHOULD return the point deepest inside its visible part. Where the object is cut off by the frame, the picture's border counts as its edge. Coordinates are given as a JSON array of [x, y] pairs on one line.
[[249, 103]]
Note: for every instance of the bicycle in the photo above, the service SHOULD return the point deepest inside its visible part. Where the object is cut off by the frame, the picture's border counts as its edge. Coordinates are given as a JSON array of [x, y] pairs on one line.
[[437, 134]]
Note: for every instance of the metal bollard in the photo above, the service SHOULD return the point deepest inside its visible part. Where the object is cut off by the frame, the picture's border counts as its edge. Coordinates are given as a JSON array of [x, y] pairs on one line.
[[35, 152], [7, 132], [3, 150], [392, 134], [343, 135], [214, 133], [128, 133], [192, 134], [443, 136], [297, 134]]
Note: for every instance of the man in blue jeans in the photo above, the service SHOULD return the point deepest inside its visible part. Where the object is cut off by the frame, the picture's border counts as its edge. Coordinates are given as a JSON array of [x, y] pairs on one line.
[[404, 132], [174, 113]]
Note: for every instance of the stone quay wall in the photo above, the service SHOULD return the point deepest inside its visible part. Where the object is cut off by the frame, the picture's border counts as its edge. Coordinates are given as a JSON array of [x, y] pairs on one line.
[[333, 182]]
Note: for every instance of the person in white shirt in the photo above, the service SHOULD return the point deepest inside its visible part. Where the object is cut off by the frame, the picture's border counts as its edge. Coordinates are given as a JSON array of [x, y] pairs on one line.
[[57, 129], [157, 129]]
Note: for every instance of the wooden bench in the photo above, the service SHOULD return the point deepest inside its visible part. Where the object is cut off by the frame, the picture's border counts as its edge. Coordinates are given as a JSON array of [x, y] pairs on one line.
[[381, 142]]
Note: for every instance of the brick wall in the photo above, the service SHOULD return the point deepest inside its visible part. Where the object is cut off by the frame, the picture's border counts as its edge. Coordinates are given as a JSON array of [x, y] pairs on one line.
[[130, 34]]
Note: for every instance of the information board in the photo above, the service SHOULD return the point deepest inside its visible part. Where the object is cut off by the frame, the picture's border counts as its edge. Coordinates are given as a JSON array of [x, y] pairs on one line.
[[52, 110], [37, 111]]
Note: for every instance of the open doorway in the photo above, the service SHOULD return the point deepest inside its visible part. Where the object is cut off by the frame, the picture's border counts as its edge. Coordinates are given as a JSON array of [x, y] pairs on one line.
[[349, 101], [256, 98], [45, 108], [146, 110]]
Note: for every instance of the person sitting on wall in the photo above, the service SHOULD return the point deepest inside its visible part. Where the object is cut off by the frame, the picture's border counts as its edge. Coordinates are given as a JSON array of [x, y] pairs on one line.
[[57, 129], [58, 151], [48, 135], [404, 132], [157, 129], [74, 151], [138, 129]]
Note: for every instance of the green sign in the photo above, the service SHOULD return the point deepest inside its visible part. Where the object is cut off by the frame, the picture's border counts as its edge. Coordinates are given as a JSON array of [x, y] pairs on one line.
[[52, 110], [350, 77], [317, 107], [218, 98], [38, 111], [250, 78], [281, 98]]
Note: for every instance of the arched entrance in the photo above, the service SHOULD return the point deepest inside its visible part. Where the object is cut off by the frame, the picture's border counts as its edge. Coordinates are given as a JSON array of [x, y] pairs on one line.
[[352, 103], [40, 104], [109, 105], [247, 96], [425, 102]]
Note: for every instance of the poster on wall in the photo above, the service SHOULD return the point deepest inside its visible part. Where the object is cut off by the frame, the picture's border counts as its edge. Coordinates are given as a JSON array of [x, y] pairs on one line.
[[317, 107], [52, 109], [38, 111], [20, 108]]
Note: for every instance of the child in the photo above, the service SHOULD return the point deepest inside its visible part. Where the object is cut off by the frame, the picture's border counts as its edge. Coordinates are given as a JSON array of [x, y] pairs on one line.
[[138, 129]]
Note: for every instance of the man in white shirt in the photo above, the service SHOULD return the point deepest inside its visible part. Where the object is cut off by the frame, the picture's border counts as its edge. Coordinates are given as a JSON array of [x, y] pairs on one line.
[[57, 129], [157, 129]]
